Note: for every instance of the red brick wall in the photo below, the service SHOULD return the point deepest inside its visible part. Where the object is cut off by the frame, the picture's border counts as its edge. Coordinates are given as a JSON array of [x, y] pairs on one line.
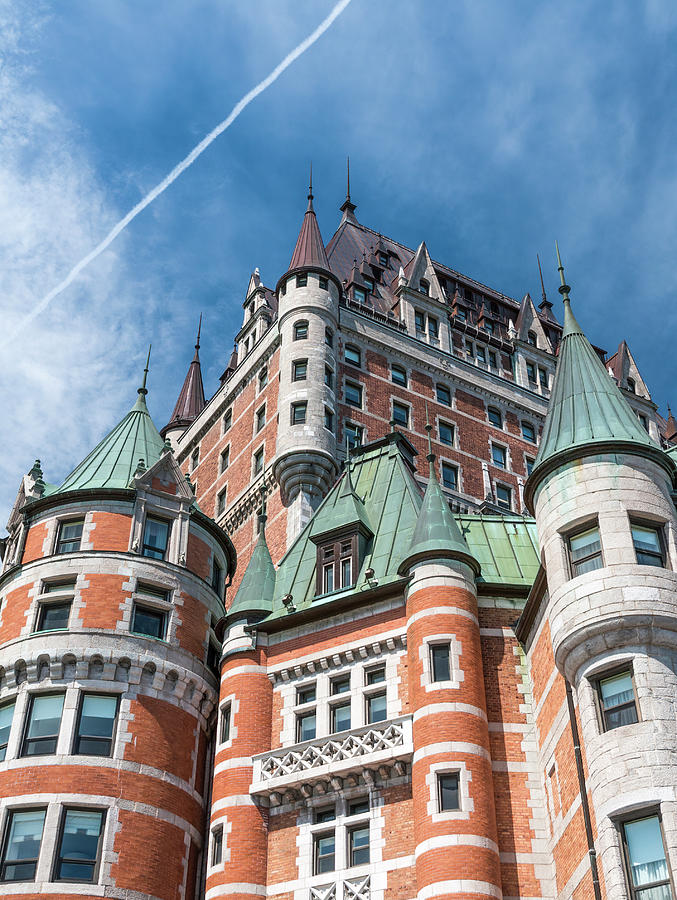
[[111, 531], [34, 541], [164, 736], [13, 613], [101, 601]]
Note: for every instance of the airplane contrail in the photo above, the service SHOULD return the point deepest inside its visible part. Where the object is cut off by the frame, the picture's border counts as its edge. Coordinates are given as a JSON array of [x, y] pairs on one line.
[[180, 167]]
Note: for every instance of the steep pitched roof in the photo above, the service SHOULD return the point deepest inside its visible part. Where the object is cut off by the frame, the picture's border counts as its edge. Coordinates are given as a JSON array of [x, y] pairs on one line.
[[113, 461], [587, 410], [191, 399], [309, 250], [256, 590]]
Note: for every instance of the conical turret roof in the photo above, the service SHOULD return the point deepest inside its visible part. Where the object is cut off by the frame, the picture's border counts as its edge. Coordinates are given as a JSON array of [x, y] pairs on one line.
[[309, 252], [587, 410], [255, 593], [112, 463], [191, 399]]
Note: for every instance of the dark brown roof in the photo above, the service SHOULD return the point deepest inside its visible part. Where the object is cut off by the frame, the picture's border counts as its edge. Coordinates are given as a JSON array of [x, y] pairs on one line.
[[191, 400], [309, 251]]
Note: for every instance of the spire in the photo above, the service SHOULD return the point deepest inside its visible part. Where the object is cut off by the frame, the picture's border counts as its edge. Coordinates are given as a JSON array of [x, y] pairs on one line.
[[257, 588], [545, 304], [587, 410], [142, 391], [670, 426], [348, 207], [309, 252], [436, 533], [191, 399]]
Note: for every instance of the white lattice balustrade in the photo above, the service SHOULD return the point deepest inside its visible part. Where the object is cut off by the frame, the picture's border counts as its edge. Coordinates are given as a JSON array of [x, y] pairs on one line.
[[349, 889]]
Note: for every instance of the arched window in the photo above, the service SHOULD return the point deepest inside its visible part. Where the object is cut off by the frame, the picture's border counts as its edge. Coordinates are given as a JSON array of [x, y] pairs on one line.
[[531, 338], [495, 416], [424, 286], [632, 387]]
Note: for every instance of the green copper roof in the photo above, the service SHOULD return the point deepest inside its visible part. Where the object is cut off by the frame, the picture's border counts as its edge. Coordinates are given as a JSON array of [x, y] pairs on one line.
[[112, 463], [436, 533], [586, 410], [347, 510], [255, 593], [506, 548]]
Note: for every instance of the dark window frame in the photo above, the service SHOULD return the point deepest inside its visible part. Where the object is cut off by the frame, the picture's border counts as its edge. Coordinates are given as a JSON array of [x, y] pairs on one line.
[[299, 412], [441, 808], [440, 391], [260, 419], [432, 647], [528, 426], [44, 607], [323, 282], [504, 453], [300, 716], [576, 532], [442, 423], [375, 695], [499, 503], [637, 816], [3, 746], [299, 366], [302, 280], [154, 610], [496, 412], [226, 723], [398, 375], [357, 354], [300, 327], [446, 466], [352, 850], [9, 818], [659, 529], [333, 708], [28, 741], [145, 546], [59, 859], [224, 459], [596, 682], [317, 837], [227, 420], [258, 454], [64, 523], [217, 846], [359, 389], [337, 544], [403, 408], [75, 751], [354, 432]]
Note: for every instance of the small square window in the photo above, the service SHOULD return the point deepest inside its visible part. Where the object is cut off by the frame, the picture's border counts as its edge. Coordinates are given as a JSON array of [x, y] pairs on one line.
[[617, 700], [358, 845], [495, 417], [79, 845], [21, 845], [328, 814], [97, 716], [376, 676], [340, 685], [398, 375], [498, 456], [69, 536], [447, 790], [305, 694], [329, 337], [443, 394], [226, 716], [299, 370], [224, 460], [227, 420], [358, 807], [53, 616], [298, 413], [503, 496], [353, 394], [340, 717], [328, 419], [155, 538], [149, 622], [354, 433], [376, 708], [302, 280], [260, 418], [217, 846], [401, 414], [258, 461], [324, 853], [585, 551], [305, 727], [300, 331], [446, 433], [648, 544], [449, 476], [324, 282], [353, 355], [528, 432], [440, 662]]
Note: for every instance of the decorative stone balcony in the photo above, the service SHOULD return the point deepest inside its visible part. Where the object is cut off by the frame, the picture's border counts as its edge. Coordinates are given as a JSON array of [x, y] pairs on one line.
[[320, 766], [348, 889]]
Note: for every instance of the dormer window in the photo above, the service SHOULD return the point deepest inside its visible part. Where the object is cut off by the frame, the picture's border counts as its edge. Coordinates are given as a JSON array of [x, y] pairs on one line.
[[632, 387], [531, 338], [488, 326], [155, 538], [336, 564], [369, 284], [359, 295], [383, 260], [424, 287], [461, 315]]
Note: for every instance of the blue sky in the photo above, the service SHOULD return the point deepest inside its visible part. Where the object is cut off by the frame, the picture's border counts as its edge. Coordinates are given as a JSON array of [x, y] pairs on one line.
[[485, 128]]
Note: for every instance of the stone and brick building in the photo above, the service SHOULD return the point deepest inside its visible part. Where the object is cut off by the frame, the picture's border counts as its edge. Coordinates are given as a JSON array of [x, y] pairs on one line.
[[390, 616]]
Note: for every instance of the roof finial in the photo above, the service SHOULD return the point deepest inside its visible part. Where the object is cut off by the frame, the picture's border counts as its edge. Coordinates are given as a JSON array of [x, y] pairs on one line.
[[348, 181], [263, 516], [431, 456], [564, 287], [199, 329], [142, 390], [540, 272]]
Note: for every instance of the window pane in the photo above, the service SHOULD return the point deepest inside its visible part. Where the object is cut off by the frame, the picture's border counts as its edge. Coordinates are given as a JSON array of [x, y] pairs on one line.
[[23, 845], [495, 417], [446, 433], [150, 622], [399, 375], [376, 708], [341, 717], [155, 536], [354, 395], [617, 690], [443, 395], [300, 370], [528, 431], [338, 686], [376, 676], [97, 720], [55, 587], [647, 542], [44, 723], [328, 579], [79, 845], [70, 534], [353, 355], [449, 479], [217, 846], [439, 655], [306, 727], [325, 815], [225, 723], [53, 616], [585, 544], [6, 715], [359, 846], [448, 789], [357, 807], [306, 695], [647, 856], [298, 413], [324, 853], [498, 456]]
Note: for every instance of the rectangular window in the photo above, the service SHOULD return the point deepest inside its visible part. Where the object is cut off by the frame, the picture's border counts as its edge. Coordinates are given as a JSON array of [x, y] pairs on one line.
[[227, 420], [481, 354], [446, 433], [302, 280], [358, 845], [306, 694], [300, 331], [306, 727], [495, 417], [329, 337], [585, 551], [460, 314], [299, 370], [21, 846], [617, 700], [155, 538], [648, 545], [70, 535], [260, 419], [79, 845], [433, 328], [498, 456], [440, 662], [488, 326], [224, 460], [647, 865], [376, 676], [328, 814], [469, 349], [400, 414], [358, 807], [43, 724], [543, 378], [419, 321], [531, 373], [340, 717], [443, 394], [383, 260], [298, 413], [324, 282], [329, 378], [263, 378], [194, 459], [359, 295], [447, 790], [340, 685], [96, 724], [530, 465], [225, 722], [398, 375], [217, 846], [221, 502], [492, 359], [376, 708], [148, 621], [528, 432], [53, 616], [328, 578], [353, 394], [328, 419], [503, 496], [258, 461], [324, 853], [450, 476], [369, 284], [6, 716], [217, 576], [353, 355], [354, 434]]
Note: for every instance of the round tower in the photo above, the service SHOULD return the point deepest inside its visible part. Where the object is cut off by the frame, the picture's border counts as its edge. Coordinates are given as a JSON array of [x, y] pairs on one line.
[[452, 784], [108, 685], [308, 297], [237, 864], [601, 493]]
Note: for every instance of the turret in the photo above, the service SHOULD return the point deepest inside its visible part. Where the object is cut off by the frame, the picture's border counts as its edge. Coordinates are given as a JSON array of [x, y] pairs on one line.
[[308, 297], [191, 400], [601, 493]]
